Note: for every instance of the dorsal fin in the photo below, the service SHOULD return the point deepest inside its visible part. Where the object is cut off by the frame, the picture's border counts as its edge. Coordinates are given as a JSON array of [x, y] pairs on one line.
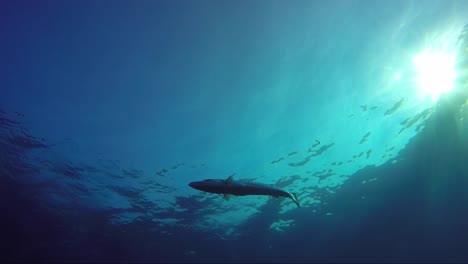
[[229, 179]]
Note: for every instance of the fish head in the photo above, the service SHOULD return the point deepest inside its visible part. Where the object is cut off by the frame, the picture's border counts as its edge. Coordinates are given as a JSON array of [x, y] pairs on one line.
[[209, 185]]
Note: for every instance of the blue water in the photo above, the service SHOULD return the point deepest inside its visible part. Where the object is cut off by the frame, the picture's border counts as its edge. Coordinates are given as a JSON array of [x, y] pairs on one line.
[[108, 109]]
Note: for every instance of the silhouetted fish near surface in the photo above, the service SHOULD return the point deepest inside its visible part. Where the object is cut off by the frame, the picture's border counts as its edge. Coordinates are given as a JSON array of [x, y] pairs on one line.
[[230, 187]]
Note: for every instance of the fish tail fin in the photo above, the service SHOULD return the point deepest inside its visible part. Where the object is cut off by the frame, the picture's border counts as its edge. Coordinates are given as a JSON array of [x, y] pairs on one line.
[[294, 198]]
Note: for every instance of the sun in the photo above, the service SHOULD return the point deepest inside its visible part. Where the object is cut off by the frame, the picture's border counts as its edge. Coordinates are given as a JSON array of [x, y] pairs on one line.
[[435, 73]]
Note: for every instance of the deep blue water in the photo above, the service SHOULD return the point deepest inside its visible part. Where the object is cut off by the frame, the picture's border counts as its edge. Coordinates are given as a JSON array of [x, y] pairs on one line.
[[109, 109]]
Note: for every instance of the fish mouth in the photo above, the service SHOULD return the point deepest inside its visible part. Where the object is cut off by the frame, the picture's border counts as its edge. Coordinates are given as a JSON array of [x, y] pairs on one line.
[[196, 186]]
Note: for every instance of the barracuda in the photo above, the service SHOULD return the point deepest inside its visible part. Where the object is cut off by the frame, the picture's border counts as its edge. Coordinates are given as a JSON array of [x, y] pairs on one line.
[[229, 187]]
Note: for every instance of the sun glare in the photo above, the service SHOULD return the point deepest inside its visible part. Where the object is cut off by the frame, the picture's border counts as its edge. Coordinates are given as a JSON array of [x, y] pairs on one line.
[[435, 73]]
